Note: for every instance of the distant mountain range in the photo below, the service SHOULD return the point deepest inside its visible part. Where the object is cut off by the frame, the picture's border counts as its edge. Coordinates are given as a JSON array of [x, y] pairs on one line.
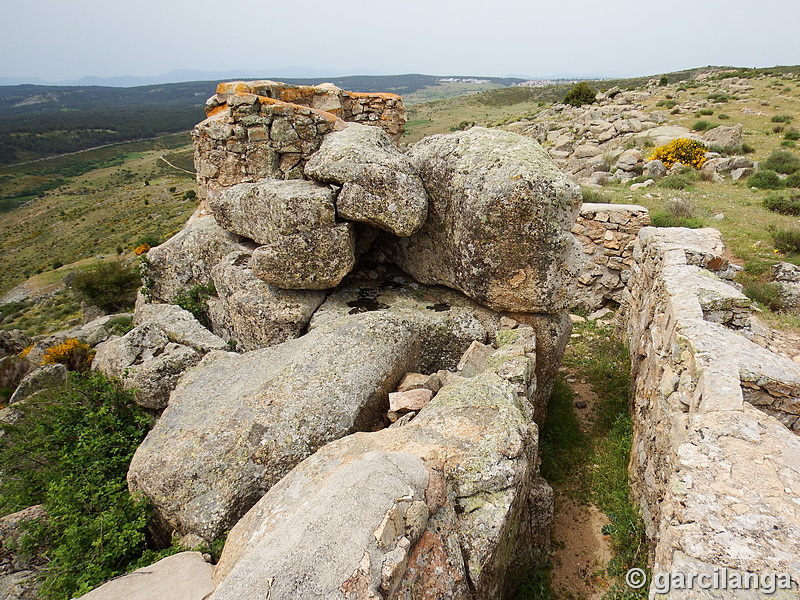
[[188, 75]]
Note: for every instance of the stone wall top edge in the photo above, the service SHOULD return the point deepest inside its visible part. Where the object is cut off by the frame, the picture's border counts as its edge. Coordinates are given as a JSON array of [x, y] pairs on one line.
[[607, 207]]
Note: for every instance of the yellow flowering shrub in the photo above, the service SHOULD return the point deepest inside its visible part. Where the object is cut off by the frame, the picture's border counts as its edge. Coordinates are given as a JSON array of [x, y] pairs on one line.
[[26, 351], [683, 150], [76, 355], [141, 249]]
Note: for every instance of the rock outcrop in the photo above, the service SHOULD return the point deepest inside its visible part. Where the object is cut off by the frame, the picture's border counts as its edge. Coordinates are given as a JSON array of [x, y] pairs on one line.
[[205, 463], [499, 220], [449, 505], [380, 187]]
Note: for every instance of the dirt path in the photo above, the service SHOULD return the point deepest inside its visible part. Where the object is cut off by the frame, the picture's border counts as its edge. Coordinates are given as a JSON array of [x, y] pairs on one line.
[[580, 550]]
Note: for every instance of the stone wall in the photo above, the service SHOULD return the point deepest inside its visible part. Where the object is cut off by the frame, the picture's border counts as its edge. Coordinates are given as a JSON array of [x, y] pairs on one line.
[[716, 478], [607, 233], [265, 129]]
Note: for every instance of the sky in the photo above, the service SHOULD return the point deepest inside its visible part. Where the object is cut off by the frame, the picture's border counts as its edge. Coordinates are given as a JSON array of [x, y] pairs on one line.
[[58, 40]]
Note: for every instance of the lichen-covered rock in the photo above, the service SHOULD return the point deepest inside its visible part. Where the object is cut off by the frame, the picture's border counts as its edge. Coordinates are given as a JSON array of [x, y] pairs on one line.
[[447, 322], [182, 576], [313, 260], [499, 219], [180, 326], [239, 422], [449, 506], [18, 570], [379, 185], [186, 259], [13, 341], [145, 360], [269, 209], [727, 138], [41, 378], [787, 277], [255, 314]]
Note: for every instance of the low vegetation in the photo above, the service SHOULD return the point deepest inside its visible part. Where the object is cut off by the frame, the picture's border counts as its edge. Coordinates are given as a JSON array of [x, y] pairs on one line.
[[689, 153], [580, 94], [110, 286]]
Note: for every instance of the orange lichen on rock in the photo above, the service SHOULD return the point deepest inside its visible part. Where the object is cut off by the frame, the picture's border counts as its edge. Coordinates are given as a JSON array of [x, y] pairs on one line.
[[381, 95]]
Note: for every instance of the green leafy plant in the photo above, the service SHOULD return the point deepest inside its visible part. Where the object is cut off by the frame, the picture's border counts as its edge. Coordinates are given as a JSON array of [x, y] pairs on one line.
[[704, 112], [111, 285], [763, 292], [69, 449], [792, 134], [195, 300], [765, 180], [781, 119], [703, 125], [679, 181], [666, 104], [793, 180], [580, 94]]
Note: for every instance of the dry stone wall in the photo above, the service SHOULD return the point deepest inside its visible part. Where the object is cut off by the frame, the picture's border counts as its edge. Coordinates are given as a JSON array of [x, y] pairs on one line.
[[607, 233], [717, 478]]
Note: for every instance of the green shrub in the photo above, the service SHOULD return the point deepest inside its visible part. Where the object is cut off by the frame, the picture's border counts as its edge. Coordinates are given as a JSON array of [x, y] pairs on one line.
[[702, 125], [783, 205], [195, 300], [765, 180], [763, 292], [782, 161], [781, 119], [789, 144], [148, 239], [111, 285], [663, 80], [723, 116], [580, 94], [679, 181], [747, 148], [594, 196], [666, 103], [792, 134], [188, 195], [793, 180], [704, 112], [69, 449], [786, 240], [718, 97], [665, 218]]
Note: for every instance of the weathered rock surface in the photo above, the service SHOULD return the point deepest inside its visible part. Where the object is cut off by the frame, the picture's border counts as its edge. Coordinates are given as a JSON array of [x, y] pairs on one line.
[[186, 259], [269, 209], [449, 506], [182, 576], [18, 574], [446, 321], [727, 138], [716, 478], [315, 260], [238, 423], [380, 187], [145, 360], [41, 378], [151, 358], [253, 313], [498, 222], [13, 342], [787, 277]]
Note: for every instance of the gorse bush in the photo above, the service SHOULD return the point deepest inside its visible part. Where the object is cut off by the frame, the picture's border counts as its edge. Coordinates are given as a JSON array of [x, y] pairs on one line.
[[580, 94], [69, 449], [683, 150], [765, 180], [72, 353], [782, 161], [111, 286]]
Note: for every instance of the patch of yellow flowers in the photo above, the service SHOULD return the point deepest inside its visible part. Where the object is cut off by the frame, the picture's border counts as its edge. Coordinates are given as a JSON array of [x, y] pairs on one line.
[[683, 150], [73, 353]]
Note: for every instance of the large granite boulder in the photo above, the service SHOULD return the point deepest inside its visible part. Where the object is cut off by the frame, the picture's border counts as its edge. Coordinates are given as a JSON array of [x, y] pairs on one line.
[[253, 313], [186, 259], [269, 209], [450, 505], [447, 322], [727, 138], [238, 422], [313, 260], [19, 570], [182, 576], [380, 187], [152, 357], [499, 220]]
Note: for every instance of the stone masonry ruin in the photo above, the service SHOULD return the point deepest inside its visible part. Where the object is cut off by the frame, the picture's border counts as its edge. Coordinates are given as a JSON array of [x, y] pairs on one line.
[[383, 333]]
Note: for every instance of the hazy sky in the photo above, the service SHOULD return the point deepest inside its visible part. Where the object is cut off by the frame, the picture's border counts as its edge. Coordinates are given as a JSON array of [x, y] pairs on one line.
[[60, 39]]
